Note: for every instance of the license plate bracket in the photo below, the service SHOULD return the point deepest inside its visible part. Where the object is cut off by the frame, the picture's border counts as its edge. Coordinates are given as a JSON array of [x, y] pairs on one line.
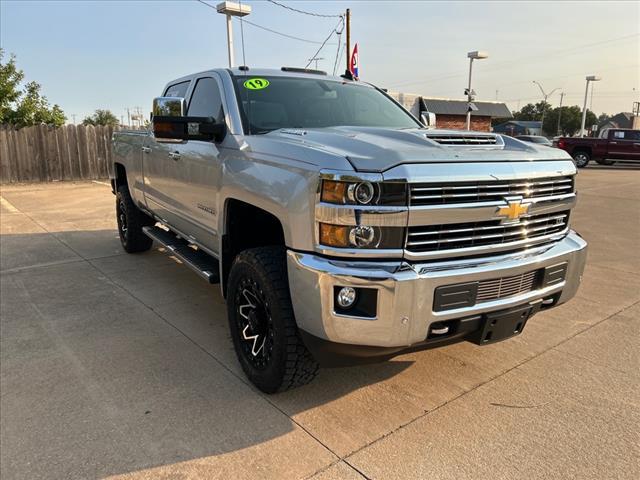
[[503, 324]]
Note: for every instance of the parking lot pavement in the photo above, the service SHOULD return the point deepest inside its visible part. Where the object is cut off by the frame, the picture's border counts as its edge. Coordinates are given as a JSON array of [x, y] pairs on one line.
[[121, 365]]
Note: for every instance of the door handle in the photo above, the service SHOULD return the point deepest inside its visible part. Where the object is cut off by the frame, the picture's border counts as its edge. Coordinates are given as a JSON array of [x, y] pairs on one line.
[[146, 149], [613, 143], [175, 156]]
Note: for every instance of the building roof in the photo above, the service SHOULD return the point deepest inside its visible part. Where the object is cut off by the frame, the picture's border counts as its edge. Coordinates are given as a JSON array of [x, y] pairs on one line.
[[621, 120], [444, 106]]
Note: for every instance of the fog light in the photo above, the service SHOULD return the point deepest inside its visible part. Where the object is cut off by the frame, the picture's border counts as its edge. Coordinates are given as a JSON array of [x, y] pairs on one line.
[[346, 297]]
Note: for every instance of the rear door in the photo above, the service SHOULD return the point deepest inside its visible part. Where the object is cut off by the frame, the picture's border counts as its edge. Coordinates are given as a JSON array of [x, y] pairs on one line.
[[198, 166], [159, 168], [623, 145]]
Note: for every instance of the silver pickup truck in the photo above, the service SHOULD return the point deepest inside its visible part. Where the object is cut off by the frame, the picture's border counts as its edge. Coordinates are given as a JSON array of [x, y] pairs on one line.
[[339, 228]]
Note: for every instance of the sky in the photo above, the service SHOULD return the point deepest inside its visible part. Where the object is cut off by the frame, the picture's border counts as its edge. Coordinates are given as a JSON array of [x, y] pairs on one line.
[[119, 54]]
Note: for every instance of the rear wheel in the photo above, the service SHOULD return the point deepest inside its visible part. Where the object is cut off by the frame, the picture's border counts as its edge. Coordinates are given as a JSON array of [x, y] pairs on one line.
[[263, 328], [130, 223], [581, 158]]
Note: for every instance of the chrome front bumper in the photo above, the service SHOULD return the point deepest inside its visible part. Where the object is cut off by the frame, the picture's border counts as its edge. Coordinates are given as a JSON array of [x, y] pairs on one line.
[[406, 291]]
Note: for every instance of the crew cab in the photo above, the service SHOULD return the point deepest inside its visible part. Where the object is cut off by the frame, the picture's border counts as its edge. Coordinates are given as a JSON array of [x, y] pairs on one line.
[[339, 228], [612, 144]]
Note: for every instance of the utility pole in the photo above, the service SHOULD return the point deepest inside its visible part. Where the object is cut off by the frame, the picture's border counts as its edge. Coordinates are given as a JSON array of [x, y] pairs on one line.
[[73, 115], [315, 59], [560, 112], [348, 39]]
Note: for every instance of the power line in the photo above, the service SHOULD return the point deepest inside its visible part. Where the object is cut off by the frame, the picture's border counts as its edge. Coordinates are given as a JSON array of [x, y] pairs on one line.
[[334, 30], [292, 37], [302, 11], [270, 30]]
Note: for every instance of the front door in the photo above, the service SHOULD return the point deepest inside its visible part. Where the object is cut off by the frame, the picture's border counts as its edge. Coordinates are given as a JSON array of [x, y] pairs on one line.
[[624, 145], [159, 168], [198, 167]]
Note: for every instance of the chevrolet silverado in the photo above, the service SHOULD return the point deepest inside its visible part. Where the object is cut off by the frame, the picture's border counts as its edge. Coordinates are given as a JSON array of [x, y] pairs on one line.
[[339, 228]]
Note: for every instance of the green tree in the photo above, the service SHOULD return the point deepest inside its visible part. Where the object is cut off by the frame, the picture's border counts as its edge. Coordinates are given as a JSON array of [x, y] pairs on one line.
[[532, 111], [570, 120], [24, 107], [101, 117], [10, 78]]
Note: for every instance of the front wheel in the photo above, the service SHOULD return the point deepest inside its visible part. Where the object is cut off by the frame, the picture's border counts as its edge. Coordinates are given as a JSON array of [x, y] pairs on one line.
[[263, 327], [581, 158]]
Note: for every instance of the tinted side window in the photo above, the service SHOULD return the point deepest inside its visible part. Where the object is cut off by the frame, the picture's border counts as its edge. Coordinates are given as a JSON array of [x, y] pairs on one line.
[[205, 100], [618, 134], [177, 90]]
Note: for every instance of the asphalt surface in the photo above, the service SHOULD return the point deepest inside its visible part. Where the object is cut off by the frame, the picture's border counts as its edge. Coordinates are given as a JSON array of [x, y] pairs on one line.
[[121, 365]]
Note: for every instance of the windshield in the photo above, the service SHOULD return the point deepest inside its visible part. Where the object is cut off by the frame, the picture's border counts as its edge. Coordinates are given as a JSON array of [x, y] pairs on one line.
[[270, 103]]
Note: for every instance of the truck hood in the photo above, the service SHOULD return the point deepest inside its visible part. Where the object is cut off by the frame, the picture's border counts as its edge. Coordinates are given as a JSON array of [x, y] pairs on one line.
[[371, 149]]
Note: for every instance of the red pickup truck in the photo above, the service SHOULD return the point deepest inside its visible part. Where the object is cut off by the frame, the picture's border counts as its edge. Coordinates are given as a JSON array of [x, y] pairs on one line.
[[613, 144]]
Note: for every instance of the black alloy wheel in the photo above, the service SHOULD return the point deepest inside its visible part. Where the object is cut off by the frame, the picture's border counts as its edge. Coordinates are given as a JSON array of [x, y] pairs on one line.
[[254, 323]]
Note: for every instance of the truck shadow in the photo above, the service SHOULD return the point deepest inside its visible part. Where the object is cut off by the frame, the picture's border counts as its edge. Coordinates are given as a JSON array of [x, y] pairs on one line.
[[115, 363]]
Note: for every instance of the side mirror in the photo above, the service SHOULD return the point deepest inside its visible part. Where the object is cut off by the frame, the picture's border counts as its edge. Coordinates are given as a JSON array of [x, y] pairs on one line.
[[169, 106], [428, 119], [170, 125]]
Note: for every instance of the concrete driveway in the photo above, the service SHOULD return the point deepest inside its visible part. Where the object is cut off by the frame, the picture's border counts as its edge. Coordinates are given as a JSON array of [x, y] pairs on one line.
[[121, 365]]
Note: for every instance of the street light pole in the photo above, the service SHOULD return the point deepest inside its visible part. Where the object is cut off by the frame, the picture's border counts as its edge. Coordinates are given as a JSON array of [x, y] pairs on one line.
[[469, 96], [588, 78], [476, 55], [230, 41], [231, 9], [544, 104]]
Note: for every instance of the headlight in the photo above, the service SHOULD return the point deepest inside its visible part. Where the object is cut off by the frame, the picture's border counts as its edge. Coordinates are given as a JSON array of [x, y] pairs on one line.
[[361, 236], [363, 193]]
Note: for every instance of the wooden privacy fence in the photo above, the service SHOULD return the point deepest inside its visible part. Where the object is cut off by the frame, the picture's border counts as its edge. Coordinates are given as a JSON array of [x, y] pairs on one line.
[[43, 154]]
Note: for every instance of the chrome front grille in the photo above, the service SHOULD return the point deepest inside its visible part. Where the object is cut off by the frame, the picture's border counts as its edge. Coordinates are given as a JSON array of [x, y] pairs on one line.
[[495, 289], [488, 191], [433, 238]]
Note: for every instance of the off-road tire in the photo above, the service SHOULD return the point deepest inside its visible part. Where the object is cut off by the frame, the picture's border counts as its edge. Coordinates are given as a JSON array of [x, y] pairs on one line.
[[130, 222], [581, 158], [289, 363]]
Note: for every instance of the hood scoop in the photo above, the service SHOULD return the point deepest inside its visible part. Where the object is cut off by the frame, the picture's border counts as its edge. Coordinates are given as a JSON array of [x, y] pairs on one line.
[[466, 139]]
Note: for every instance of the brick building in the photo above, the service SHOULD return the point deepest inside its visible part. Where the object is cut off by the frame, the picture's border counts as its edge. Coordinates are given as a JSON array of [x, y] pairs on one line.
[[452, 114]]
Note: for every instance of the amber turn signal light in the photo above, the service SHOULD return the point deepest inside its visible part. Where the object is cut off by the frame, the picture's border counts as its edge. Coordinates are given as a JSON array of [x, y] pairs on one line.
[[333, 192], [334, 235]]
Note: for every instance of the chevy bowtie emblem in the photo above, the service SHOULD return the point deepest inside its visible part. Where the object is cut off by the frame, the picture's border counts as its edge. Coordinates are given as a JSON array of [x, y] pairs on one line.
[[515, 209]]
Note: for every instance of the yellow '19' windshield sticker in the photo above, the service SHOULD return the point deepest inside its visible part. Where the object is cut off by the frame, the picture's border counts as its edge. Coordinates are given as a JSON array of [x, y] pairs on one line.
[[256, 83]]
